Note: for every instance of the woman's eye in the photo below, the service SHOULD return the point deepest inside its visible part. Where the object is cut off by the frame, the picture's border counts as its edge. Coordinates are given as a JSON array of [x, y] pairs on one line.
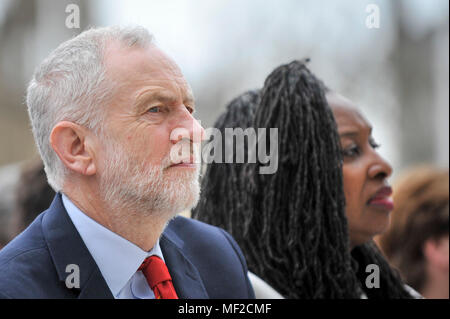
[[351, 151], [154, 109], [190, 109]]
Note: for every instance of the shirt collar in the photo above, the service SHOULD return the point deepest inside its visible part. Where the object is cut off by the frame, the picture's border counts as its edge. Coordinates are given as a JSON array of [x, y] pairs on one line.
[[117, 258]]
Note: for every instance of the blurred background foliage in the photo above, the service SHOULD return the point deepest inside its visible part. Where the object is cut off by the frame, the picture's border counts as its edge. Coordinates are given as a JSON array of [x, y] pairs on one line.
[[397, 74]]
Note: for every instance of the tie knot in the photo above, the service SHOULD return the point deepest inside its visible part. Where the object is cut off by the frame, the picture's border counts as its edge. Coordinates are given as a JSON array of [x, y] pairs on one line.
[[155, 271]]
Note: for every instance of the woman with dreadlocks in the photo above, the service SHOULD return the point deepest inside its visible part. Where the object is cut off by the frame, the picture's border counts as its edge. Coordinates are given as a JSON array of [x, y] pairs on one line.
[[367, 198], [293, 225]]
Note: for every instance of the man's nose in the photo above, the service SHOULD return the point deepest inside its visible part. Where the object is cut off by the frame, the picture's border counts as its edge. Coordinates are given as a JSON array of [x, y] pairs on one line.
[[379, 167], [188, 127]]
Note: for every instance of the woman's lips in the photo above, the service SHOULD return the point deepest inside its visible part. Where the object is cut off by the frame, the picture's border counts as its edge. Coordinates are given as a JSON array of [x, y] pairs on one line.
[[382, 199]]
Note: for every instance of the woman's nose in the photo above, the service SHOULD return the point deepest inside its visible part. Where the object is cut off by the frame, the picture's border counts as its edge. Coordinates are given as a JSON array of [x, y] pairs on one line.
[[379, 167]]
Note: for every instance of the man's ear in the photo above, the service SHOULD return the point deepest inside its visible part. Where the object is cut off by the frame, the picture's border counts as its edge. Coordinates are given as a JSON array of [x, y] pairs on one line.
[[71, 143]]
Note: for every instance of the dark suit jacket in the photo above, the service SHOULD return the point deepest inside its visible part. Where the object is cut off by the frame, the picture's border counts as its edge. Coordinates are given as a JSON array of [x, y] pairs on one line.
[[204, 261]]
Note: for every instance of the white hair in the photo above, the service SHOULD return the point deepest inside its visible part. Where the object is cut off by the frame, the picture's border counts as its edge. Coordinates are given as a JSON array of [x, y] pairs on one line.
[[127, 183], [71, 84]]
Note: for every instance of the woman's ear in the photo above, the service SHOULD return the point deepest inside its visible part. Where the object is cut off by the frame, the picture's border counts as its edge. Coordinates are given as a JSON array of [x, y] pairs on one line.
[[436, 252], [70, 142]]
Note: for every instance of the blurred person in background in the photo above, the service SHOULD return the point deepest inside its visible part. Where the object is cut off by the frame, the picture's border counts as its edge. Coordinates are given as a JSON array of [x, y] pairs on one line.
[[33, 195], [417, 242], [294, 227], [9, 176], [27, 196]]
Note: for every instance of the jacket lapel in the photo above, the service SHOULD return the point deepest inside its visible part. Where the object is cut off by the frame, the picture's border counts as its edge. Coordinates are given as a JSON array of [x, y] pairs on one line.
[[185, 276], [95, 287], [67, 248]]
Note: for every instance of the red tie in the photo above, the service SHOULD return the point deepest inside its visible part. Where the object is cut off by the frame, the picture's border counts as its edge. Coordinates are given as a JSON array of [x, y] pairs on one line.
[[158, 278]]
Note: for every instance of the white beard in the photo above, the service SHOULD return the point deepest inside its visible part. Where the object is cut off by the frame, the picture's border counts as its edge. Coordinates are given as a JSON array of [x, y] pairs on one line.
[[127, 184]]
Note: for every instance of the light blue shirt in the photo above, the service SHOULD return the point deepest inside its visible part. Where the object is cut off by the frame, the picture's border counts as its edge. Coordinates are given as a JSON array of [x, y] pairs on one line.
[[117, 258]]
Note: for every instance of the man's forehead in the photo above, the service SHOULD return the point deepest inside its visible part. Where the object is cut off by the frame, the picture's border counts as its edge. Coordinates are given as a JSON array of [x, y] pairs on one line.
[[125, 62], [140, 71]]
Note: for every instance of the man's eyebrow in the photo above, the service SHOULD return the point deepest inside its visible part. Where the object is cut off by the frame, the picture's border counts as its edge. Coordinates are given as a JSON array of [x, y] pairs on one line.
[[151, 95], [161, 96], [189, 99]]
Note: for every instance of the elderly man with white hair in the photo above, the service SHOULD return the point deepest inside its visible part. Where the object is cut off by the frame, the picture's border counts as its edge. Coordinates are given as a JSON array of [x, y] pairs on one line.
[[112, 116]]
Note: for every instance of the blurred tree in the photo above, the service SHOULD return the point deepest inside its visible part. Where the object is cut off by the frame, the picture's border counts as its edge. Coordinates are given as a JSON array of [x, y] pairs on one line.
[[414, 61], [27, 34]]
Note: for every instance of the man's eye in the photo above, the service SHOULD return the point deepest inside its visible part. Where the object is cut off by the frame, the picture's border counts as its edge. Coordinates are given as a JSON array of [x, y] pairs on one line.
[[154, 109], [374, 144]]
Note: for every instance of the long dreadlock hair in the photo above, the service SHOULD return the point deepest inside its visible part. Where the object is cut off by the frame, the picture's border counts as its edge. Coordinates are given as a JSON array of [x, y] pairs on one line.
[[391, 285], [291, 225], [223, 194]]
